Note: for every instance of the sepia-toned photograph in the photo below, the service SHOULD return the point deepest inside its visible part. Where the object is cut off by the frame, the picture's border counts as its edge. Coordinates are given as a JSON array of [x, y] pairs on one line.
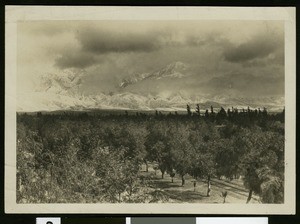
[[151, 112]]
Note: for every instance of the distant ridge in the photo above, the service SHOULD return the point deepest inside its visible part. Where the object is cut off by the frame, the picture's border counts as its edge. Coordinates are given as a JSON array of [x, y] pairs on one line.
[[173, 70], [61, 92]]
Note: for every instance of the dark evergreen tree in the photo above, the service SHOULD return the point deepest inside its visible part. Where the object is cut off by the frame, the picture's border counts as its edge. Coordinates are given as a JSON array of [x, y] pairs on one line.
[[228, 113], [264, 112], [188, 108], [222, 114], [198, 109], [206, 113]]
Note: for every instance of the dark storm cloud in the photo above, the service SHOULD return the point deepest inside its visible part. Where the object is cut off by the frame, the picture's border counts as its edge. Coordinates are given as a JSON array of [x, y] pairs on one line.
[[93, 43], [105, 41], [109, 51], [75, 59], [245, 83], [255, 48], [275, 59]]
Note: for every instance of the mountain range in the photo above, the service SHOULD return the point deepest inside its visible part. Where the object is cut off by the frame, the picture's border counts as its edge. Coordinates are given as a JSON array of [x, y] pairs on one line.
[[61, 92]]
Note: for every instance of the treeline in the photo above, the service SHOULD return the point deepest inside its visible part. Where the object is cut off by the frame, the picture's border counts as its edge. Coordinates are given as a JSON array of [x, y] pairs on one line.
[[85, 157], [239, 116]]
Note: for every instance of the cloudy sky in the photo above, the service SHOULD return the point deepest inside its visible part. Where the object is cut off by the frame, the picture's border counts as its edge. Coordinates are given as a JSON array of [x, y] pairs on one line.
[[244, 58]]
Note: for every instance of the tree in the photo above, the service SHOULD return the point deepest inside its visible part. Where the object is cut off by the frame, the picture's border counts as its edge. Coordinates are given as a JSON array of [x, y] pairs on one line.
[[212, 110], [116, 174], [203, 157], [224, 195], [251, 180], [172, 175], [159, 145], [264, 164], [264, 112], [188, 108], [206, 114], [161, 156], [227, 159], [198, 109], [221, 116], [204, 167], [181, 152], [272, 185]]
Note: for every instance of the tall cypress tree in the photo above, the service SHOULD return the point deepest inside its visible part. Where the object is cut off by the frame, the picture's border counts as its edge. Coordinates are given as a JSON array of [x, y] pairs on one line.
[[198, 109], [188, 108]]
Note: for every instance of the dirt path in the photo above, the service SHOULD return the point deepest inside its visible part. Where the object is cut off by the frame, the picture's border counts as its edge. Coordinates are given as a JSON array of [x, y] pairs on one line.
[[236, 193]]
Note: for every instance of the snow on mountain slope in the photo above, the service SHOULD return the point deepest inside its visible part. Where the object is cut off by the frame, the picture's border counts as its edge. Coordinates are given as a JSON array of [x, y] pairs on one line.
[[173, 70], [127, 100], [64, 82], [36, 101], [62, 92], [51, 101]]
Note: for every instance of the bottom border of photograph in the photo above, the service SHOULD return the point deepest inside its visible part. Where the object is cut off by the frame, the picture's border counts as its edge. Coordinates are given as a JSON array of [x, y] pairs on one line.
[[197, 220], [156, 220]]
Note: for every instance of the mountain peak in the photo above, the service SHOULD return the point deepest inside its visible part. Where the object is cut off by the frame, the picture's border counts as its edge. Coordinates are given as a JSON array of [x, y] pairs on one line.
[[173, 70], [177, 65], [62, 82]]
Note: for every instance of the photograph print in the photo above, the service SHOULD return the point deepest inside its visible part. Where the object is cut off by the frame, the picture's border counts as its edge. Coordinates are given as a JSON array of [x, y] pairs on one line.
[[150, 112]]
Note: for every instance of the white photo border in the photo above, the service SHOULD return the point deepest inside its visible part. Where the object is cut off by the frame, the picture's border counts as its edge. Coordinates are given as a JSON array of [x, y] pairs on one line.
[[15, 14]]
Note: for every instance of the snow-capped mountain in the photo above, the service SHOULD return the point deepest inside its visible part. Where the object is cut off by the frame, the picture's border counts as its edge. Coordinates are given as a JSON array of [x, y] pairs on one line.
[[62, 92], [128, 101], [173, 70], [65, 82]]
